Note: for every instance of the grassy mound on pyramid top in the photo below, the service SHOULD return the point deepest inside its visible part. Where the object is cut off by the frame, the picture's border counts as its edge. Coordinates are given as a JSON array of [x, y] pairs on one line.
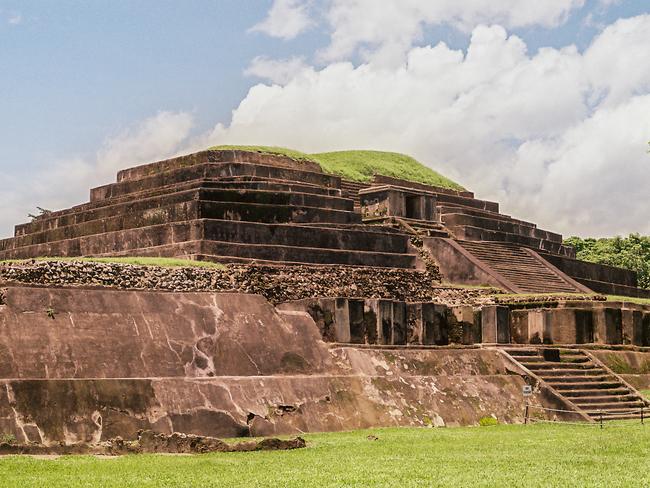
[[361, 165]]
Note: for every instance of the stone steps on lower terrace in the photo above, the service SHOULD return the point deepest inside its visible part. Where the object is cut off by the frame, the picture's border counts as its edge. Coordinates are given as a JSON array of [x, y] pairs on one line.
[[94, 210], [175, 208], [591, 388], [212, 171], [519, 267], [246, 240], [229, 252], [308, 255]]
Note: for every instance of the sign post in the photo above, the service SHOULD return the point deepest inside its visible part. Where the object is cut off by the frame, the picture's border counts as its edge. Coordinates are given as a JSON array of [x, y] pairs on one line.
[[526, 391]]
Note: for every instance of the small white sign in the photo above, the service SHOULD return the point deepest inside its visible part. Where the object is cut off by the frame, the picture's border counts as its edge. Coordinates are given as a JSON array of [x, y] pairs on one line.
[[527, 390]]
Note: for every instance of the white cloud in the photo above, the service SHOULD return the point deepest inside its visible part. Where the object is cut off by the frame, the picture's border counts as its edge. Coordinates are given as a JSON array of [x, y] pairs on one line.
[[276, 71], [66, 183], [286, 19], [559, 137], [384, 34]]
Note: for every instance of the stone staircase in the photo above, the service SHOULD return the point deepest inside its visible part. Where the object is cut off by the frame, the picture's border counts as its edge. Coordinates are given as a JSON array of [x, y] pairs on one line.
[[521, 268], [592, 388]]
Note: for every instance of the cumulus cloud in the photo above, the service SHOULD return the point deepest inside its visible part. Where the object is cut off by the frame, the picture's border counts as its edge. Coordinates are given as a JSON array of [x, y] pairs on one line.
[[286, 19], [559, 136], [276, 70], [385, 34], [65, 183]]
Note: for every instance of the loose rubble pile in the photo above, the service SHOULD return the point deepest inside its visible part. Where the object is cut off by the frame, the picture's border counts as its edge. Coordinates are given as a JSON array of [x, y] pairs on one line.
[[276, 283], [153, 442]]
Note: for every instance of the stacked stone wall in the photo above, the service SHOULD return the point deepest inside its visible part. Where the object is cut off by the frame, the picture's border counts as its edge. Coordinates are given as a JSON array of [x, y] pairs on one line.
[[275, 283]]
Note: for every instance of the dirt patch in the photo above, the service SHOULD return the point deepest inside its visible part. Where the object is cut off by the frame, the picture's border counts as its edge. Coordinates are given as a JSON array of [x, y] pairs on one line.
[[153, 442]]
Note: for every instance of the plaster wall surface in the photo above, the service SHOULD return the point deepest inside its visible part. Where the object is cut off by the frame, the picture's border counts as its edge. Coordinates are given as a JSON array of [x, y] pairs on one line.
[[87, 365]]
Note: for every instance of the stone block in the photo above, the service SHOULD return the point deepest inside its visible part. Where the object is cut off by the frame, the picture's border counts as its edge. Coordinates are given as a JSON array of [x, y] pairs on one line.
[[608, 326], [464, 325], [495, 324], [632, 327], [534, 326]]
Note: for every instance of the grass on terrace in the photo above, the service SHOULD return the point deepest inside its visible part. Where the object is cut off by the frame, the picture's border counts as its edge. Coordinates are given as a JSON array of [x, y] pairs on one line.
[[140, 261], [546, 296], [362, 165], [641, 301], [531, 456]]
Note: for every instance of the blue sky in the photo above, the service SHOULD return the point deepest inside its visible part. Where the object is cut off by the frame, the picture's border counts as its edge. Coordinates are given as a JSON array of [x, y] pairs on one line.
[[76, 74]]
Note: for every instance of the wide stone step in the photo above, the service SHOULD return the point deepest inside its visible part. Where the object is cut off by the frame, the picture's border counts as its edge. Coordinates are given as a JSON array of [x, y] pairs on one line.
[[358, 238], [553, 374], [448, 208], [154, 203], [583, 381], [308, 255], [444, 198], [595, 398], [567, 360], [254, 212], [561, 366], [594, 391], [61, 219], [272, 184], [616, 416], [218, 156], [105, 241], [597, 405], [212, 171], [500, 225], [523, 353], [469, 233]]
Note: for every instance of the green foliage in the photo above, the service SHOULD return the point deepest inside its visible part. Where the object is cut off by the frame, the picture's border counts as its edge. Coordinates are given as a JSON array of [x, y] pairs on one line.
[[632, 252], [281, 151], [7, 438], [488, 421], [360, 165], [640, 301], [619, 365], [504, 455]]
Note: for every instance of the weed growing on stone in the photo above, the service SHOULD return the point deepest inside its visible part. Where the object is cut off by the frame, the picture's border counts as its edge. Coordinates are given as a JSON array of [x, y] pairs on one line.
[[488, 421], [7, 438]]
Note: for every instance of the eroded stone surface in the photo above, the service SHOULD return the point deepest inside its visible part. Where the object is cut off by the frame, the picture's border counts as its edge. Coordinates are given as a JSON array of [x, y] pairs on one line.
[[153, 442]]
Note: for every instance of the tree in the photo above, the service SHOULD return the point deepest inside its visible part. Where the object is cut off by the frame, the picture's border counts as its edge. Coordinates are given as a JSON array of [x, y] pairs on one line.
[[632, 252]]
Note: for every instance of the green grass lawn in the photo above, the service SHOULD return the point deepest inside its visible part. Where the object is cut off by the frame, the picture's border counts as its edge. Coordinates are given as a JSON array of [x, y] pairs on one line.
[[531, 456], [640, 301], [141, 261], [362, 165]]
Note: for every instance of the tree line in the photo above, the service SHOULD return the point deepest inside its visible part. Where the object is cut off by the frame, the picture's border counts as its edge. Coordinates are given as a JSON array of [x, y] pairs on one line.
[[632, 252]]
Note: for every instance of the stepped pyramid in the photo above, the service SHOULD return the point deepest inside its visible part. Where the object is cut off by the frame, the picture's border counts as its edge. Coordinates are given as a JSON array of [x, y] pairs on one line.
[[243, 206]]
